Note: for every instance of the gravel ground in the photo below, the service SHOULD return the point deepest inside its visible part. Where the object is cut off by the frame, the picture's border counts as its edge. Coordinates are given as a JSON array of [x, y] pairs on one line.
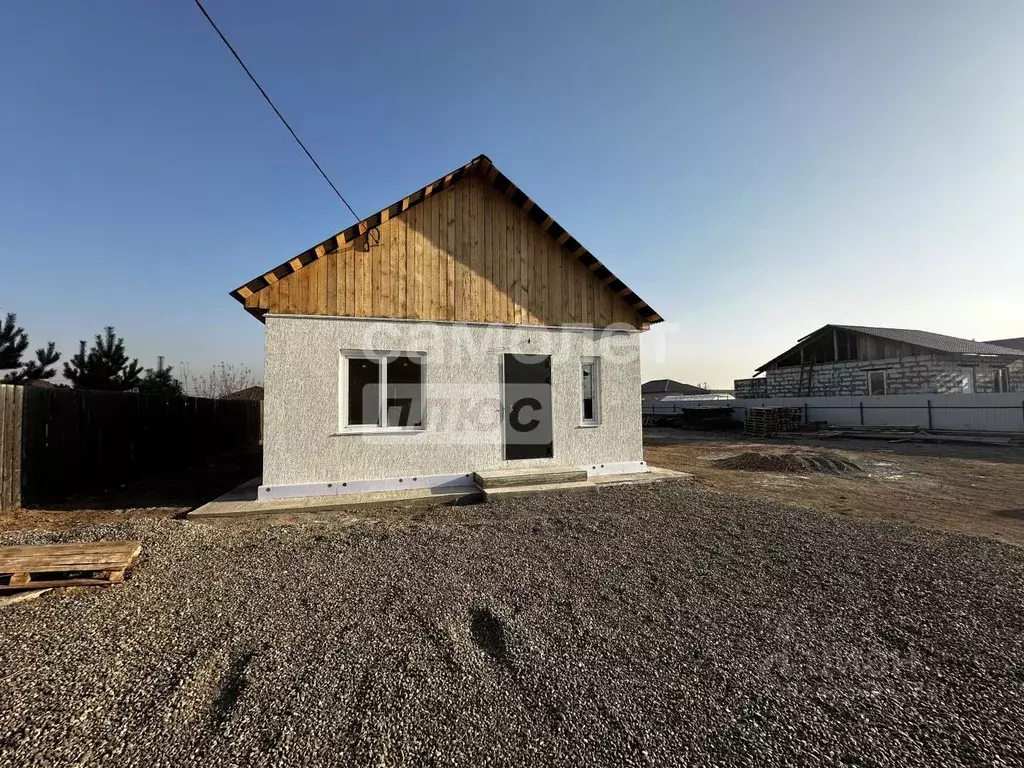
[[659, 625]]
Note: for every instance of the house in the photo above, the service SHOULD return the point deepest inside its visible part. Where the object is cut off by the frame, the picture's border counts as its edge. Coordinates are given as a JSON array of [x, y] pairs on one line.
[[458, 330], [1017, 343], [658, 388], [249, 393], [860, 360]]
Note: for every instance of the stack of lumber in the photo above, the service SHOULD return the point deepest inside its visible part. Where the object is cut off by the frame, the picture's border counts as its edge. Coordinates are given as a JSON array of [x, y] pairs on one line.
[[770, 420], [93, 563]]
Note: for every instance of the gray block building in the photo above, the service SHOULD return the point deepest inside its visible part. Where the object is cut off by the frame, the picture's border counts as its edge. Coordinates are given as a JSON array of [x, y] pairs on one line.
[[863, 360]]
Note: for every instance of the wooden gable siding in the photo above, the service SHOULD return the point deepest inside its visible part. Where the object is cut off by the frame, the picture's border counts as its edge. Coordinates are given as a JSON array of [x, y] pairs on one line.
[[465, 254]]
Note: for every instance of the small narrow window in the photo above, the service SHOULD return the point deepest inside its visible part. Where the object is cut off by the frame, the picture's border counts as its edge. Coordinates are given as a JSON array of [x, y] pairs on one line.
[[967, 380], [876, 382], [590, 372], [1002, 383], [381, 390]]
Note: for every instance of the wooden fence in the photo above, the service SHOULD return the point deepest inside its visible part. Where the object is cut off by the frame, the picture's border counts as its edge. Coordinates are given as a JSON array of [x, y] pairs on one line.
[[11, 399], [77, 442]]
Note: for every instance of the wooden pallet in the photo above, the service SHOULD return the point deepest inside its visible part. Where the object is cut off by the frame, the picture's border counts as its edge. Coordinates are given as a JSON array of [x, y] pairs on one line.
[[93, 563]]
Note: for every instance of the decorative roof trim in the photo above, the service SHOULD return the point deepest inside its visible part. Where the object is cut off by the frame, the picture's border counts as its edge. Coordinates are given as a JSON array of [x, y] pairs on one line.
[[481, 166]]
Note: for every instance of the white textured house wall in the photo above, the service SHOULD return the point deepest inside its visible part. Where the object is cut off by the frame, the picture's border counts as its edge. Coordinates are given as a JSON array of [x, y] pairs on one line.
[[462, 428], [985, 412]]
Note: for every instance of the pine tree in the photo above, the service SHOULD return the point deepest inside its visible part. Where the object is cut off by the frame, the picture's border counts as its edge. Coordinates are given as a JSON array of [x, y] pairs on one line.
[[105, 366], [13, 343], [40, 367], [160, 381]]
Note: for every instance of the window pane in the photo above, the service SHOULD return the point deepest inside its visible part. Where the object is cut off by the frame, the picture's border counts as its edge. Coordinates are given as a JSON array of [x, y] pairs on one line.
[[405, 392], [876, 383], [588, 391], [363, 391]]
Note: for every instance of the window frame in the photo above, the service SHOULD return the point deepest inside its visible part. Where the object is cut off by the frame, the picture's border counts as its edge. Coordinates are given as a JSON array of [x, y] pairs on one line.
[[885, 382], [1002, 379], [595, 378], [968, 379], [381, 358]]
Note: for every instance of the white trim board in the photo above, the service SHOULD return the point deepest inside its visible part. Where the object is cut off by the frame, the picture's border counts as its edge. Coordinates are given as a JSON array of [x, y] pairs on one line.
[[342, 487], [615, 468], [615, 328]]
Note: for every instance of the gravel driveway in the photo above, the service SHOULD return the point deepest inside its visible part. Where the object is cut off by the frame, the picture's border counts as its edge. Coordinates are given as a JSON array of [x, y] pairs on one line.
[[645, 625]]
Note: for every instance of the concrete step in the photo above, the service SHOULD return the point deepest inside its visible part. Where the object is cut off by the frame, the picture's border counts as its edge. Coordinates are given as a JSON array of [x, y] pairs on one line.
[[508, 478], [528, 490]]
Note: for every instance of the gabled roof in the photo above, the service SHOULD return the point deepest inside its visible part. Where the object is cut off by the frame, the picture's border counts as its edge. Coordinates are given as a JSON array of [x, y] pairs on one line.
[[935, 341], [662, 386], [482, 166]]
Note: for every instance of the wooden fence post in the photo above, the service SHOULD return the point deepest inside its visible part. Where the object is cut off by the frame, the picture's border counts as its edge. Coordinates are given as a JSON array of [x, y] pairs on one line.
[[11, 402]]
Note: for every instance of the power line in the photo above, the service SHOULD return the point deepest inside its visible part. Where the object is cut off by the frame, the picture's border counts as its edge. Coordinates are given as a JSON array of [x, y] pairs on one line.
[[276, 110]]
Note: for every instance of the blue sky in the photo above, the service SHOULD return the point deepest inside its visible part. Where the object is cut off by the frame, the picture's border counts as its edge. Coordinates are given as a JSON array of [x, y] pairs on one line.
[[754, 170]]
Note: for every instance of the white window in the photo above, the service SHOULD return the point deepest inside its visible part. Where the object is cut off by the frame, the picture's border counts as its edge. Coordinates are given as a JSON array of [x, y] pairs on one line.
[[590, 396], [380, 391], [967, 380], [1002, 383], [876, 382]]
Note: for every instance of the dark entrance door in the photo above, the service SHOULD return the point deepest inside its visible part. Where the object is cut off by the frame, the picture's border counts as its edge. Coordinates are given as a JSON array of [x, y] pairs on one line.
[[527, 400]]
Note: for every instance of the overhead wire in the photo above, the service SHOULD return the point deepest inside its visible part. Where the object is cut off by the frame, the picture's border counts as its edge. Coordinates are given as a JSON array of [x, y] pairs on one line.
[[274, 107]]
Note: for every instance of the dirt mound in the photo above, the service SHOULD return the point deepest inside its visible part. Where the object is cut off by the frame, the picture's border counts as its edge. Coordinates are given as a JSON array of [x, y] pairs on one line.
[[799, 463]]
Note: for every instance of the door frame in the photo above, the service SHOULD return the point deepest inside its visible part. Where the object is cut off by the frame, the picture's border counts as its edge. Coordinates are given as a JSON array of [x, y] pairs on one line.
[[502, 403]]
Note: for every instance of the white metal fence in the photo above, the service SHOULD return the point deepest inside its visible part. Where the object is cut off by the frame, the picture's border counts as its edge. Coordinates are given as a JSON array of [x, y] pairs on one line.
[[989, 413]]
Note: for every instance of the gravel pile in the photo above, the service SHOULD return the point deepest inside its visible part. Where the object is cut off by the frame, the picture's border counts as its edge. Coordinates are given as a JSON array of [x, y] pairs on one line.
[[638, 625], [799, 463]]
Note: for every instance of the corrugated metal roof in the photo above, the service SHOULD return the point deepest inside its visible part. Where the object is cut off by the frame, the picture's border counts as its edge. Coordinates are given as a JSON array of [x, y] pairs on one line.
[[936, 341]]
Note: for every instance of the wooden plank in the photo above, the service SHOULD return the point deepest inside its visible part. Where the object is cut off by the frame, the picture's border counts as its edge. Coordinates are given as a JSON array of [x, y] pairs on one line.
[[554, 260], [16, 443], [93, 556], [441, 263], [350, 280], [401, 264], [377, 292], [340, 280], [415, 260], [5, 476], [487, 257], [450, 248], [511, 261], [498, 206], [476, 302], [462, 253], [431, 254], [331, 287], [364, 279]]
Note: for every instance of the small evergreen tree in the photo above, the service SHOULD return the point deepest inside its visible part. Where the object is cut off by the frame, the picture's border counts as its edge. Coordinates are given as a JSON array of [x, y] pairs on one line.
[[40, 368], [13, 343], [160, 381], [104, 366]]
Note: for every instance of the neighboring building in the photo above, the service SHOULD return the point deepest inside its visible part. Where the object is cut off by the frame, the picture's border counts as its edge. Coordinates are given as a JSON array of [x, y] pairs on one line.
[[460, 329], [249, 393], [860, 360], [1017, 343], [658, 388]]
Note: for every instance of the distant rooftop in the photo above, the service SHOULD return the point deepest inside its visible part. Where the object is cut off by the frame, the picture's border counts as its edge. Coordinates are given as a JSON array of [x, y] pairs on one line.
[[666, 386], [1017, 343]]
